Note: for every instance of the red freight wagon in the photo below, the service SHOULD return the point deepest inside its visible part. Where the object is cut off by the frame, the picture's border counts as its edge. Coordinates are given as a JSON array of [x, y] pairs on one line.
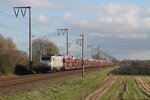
[[69, 63], [77, 63]]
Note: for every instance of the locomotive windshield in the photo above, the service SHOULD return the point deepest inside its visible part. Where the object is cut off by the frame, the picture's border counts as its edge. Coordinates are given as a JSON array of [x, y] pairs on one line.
[[46, 58]]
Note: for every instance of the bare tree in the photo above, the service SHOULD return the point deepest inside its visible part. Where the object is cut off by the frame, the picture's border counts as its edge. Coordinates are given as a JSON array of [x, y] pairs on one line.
[[97, 55], [9, 55], [42, 47]]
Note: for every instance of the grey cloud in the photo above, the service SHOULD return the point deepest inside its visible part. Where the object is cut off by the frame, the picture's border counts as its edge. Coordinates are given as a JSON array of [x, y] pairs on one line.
[[123, 30]]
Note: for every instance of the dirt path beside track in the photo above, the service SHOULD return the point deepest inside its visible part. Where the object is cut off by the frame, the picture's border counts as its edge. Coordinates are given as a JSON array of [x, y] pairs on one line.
[[102, 90]]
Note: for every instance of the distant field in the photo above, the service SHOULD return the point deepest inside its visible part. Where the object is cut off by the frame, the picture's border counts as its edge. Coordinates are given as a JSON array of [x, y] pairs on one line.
[[103, 85]]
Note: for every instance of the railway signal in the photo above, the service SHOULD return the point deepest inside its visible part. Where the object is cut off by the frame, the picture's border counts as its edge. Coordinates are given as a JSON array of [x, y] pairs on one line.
[[23, 12]]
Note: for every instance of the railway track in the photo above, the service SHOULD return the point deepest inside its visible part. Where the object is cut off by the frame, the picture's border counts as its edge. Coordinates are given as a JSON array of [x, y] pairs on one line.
[[37, 77]]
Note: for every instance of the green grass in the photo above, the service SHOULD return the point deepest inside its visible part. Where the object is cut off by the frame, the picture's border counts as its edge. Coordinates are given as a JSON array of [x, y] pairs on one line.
[[126, 87], [133, 89], [71, 89], [147, 79]]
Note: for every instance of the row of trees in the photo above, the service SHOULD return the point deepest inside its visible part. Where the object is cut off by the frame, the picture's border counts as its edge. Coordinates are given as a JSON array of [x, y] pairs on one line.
[[138, 63], [10, 56]]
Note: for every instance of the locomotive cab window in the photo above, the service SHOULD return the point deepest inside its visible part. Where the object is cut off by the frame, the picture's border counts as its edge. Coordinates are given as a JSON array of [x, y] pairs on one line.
[[46, 58]]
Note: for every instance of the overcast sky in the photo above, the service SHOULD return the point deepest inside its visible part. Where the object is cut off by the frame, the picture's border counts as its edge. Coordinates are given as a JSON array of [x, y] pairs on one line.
[[119, 27]]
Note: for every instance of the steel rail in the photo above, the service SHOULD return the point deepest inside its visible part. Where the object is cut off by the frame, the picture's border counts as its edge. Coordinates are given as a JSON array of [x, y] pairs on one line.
[[37, 77]]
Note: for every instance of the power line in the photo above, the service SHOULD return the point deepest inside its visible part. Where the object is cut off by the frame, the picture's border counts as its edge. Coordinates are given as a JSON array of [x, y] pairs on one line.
[[12, 16], [36, 27], [6, 26]]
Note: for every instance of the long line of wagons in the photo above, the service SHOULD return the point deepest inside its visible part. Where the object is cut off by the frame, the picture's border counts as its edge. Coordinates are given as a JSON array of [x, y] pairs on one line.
[[59, 63]]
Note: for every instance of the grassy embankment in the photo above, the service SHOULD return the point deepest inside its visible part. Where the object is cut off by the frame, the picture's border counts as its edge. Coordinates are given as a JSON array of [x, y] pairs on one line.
[[75, 88], [122, 87]]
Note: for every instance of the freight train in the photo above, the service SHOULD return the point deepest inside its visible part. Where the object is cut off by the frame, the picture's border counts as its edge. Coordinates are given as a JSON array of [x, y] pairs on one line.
[[61, 63]]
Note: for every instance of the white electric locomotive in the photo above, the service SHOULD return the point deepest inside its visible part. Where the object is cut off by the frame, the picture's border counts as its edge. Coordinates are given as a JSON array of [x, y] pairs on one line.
[[51, 63]]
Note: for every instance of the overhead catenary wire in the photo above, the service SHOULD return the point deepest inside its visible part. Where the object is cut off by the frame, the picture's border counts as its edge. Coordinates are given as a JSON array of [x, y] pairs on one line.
[[12, 16], [16, 29], [35, 26]]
